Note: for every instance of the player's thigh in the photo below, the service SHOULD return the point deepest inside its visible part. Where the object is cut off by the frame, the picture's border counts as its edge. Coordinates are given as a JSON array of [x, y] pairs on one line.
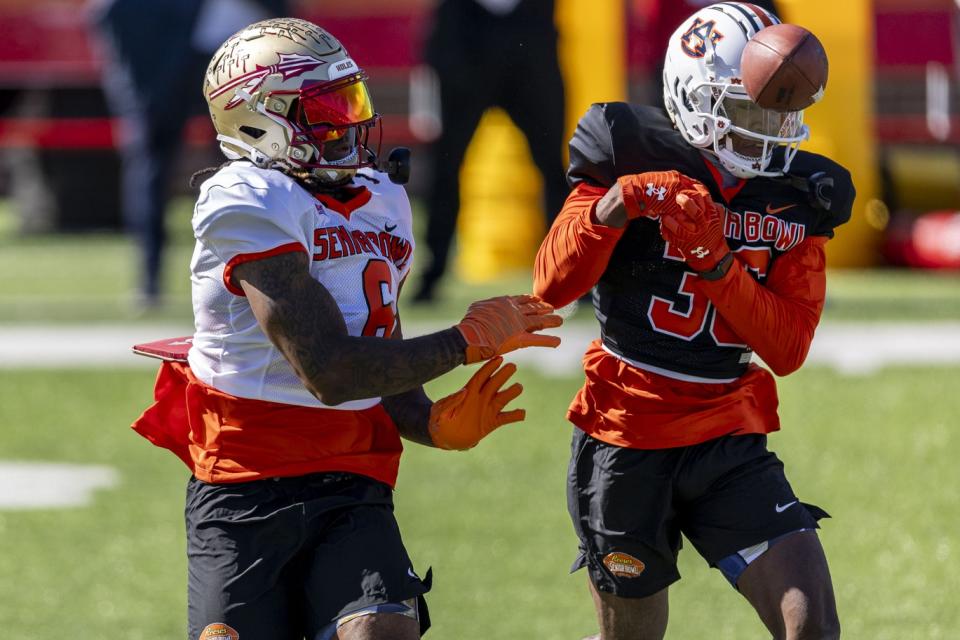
[[239, 546], [380, 626], [735, 495], [359, 565], [620, 502], [789, 585]]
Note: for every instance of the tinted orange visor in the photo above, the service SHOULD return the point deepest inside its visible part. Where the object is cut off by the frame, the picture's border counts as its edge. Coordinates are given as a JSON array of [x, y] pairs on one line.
[[338, 105]]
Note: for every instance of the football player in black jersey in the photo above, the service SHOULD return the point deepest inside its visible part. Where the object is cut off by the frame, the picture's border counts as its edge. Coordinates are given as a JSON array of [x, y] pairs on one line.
[[701, 232]]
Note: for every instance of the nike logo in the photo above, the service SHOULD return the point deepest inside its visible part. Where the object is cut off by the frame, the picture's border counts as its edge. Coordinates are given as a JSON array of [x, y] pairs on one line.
[[773, 211], [412, 574], [784, 507], [388, 228]]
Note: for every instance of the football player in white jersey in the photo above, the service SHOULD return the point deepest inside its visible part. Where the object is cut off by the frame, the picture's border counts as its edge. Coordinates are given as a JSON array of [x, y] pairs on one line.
[[298, 384]]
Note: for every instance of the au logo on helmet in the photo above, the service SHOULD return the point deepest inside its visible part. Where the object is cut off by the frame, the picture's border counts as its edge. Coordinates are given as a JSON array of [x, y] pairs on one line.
[[694, 40], [290, 65]]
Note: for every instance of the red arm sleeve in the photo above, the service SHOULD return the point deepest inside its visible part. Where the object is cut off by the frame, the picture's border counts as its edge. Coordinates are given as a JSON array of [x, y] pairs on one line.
[[576, 250], [777, 320]]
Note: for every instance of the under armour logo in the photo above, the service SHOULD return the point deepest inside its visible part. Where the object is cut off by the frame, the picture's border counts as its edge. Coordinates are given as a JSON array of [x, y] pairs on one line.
[[661, 192], [700, 252]]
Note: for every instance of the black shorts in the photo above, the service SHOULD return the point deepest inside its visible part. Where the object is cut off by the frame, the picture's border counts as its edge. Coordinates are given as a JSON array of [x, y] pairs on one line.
[[629, 507], [282, 558]]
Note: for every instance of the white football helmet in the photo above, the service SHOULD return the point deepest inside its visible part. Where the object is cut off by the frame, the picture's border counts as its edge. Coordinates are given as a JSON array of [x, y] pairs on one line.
[[704, 94], [279, 90]]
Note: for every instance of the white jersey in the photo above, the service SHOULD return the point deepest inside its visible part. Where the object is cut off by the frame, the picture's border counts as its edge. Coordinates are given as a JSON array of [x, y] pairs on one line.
[[360, 251]]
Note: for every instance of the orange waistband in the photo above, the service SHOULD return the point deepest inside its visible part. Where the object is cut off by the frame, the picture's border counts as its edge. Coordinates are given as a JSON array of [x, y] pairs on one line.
[[629, 407], [224, 438]]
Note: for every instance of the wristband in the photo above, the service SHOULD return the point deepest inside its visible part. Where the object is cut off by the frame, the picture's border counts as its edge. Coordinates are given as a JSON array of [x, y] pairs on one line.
[[720, 270]]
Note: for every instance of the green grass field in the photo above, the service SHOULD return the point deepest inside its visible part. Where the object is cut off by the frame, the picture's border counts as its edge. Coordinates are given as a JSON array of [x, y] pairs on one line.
[[878, 451]]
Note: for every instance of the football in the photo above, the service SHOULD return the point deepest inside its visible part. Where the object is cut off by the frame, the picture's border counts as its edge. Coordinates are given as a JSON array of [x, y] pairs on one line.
[[784, 68]]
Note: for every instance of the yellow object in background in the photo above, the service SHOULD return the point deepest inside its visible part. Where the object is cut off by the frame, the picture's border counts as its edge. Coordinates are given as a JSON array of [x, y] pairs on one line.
[[593, 54], [500, 224], [842, 125], [501, 221], [924, 178]]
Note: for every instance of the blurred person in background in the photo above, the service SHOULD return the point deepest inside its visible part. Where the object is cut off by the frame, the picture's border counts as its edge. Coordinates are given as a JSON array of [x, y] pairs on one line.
[[156, 53], [290, 404], [490, 53], [701, 230]]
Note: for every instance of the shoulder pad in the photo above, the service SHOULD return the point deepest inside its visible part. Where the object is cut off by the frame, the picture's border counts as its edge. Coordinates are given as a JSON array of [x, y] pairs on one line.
[[616, 138], [591, 149]]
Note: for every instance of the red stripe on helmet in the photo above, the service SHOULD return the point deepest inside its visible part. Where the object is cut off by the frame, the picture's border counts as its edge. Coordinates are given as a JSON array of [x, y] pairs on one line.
[[761, 14]]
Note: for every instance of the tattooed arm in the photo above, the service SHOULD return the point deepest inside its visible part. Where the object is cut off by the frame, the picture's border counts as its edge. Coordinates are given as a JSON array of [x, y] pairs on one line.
[[410, 410], [302, 319]]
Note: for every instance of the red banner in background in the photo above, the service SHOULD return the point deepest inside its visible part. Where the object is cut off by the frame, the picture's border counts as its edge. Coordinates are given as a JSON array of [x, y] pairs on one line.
[[914, 38], [926, 241], [46, 44], [48, 41]]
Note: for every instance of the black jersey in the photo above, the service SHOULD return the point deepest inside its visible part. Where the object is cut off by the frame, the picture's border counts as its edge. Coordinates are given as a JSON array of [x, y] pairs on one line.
[[647, 308]]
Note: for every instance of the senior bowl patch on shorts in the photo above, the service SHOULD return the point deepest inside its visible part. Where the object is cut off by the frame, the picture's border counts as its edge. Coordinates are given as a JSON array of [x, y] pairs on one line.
[[623, 565], [219, 631]]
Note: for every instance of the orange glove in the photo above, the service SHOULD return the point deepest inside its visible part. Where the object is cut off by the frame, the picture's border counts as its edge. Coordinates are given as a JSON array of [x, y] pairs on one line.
[[653, 193], [696, 230], [500, 325], [463, 419]]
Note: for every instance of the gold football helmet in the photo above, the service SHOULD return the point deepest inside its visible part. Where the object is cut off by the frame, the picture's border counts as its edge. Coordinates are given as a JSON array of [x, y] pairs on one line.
[[280, 90]]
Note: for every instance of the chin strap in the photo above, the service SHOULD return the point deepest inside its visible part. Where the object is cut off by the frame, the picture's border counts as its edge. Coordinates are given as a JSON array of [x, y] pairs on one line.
[[331, 174], [256, 156]]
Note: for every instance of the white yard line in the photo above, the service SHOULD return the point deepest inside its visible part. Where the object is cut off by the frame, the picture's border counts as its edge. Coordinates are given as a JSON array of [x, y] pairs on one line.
[[849, 348], [852, 348], [46, 485], [23, 347]]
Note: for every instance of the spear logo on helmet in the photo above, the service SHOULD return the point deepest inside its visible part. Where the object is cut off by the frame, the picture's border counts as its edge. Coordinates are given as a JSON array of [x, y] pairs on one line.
[[290, 65]]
